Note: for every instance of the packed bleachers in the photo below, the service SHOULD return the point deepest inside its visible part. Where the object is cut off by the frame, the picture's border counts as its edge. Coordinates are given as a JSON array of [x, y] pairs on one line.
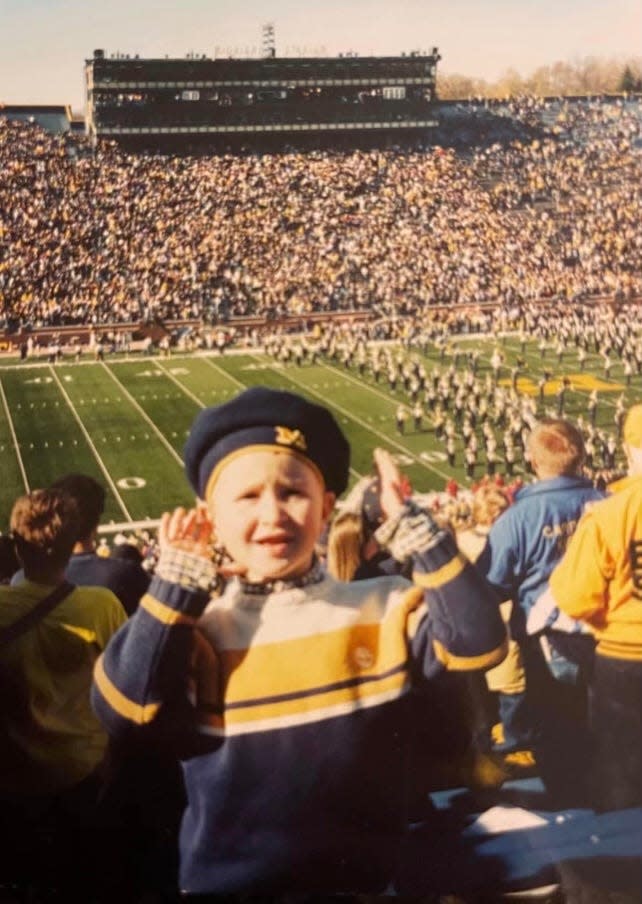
[[111, 237]]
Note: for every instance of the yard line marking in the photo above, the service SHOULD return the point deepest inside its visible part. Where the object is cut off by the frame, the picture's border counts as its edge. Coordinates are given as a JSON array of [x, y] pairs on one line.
[[382, 395], [225, 373], [183, 389], [90, 442], [388, 439], [144, 414], [15, 439]]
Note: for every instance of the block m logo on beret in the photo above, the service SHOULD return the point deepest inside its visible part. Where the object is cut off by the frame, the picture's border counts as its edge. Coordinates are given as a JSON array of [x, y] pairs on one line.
[[285, 436]]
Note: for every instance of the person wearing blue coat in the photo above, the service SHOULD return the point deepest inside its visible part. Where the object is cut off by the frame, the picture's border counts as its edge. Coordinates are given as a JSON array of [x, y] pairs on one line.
[[523, 547]]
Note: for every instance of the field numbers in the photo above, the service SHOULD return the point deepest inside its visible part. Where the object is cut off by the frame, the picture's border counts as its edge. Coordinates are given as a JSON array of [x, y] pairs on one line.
[[131, 483]]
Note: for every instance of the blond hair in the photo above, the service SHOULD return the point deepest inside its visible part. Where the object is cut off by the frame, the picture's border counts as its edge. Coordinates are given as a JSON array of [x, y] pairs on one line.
[[345, 545], [556, 447], [489, 501]]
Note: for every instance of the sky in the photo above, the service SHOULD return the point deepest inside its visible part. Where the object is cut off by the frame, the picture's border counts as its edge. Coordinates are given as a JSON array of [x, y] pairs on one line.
[[43, 43]]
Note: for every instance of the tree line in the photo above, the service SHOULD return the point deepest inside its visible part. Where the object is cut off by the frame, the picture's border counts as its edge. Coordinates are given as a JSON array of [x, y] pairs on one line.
[[588, 76]]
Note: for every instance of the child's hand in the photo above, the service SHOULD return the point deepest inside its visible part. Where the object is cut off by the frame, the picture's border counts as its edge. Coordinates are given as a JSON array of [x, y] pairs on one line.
[[193, 531], [391, 495], [190, 530]]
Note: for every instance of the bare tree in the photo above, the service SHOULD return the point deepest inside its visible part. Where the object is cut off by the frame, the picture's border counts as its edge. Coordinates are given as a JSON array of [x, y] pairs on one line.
[[590, 75]]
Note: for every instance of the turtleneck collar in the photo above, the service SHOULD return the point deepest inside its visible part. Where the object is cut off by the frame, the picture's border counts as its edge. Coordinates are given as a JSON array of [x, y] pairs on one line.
[[315, 575]]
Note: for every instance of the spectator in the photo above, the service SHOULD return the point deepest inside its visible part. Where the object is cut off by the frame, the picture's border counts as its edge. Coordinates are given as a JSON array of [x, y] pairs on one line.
[[146, 794], [122, 574], [53, 748], [598, 581], [353, 552], [490, 500], [523, 546]]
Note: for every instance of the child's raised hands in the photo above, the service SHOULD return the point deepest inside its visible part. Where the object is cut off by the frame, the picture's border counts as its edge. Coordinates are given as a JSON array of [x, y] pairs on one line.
[[393, 483], [190, 530]]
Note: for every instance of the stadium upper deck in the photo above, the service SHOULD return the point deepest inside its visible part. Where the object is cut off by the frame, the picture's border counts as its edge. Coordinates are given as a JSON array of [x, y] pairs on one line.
[[160, 100]]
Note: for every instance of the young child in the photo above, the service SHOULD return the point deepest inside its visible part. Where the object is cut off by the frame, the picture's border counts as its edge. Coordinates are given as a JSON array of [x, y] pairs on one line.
[[286, 694]]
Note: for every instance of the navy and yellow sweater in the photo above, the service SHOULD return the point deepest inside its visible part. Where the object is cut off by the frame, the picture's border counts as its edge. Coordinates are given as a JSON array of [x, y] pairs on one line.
[[290, 708]]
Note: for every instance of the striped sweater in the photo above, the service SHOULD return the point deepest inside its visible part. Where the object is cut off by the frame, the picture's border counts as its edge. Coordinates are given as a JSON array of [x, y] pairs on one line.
[[290, 712]]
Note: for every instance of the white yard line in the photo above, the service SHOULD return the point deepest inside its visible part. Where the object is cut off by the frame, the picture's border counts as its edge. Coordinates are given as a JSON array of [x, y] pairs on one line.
[[362, 385], [91, 445], [384, 437], [181, 386], [15, 439], [144, 415], [225, 373]]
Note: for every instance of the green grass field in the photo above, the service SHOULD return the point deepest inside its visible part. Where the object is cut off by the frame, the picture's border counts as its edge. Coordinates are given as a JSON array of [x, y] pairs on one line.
[[125, 421]]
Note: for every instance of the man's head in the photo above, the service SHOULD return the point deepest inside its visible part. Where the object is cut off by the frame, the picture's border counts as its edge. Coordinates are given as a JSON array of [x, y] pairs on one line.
[[555, 449], [89, 496], [270, 465], [43, 527], [632, 439]]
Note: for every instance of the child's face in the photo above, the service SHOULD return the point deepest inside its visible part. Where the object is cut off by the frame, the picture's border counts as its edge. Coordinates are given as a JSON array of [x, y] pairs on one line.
[[269, 508]]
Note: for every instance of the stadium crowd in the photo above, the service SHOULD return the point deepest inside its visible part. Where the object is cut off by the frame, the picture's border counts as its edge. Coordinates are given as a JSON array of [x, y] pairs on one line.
[[113, 237]]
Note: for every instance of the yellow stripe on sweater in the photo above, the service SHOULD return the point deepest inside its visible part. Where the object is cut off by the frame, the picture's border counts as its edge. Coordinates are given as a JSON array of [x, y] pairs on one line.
[[232, 724], [163, 613], [121, 704], [468, 663], [302, 664], [441, 576]]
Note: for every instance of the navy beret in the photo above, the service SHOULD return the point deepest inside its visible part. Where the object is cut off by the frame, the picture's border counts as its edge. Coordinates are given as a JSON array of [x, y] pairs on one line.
[[262, 416]]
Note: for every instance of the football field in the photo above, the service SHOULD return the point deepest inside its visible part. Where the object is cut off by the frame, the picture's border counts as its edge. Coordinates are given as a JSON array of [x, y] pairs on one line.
[[125, 421]]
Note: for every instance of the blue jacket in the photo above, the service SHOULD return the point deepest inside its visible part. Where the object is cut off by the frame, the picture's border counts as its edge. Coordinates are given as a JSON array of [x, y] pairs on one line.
[[128, 580], [529, 538]]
